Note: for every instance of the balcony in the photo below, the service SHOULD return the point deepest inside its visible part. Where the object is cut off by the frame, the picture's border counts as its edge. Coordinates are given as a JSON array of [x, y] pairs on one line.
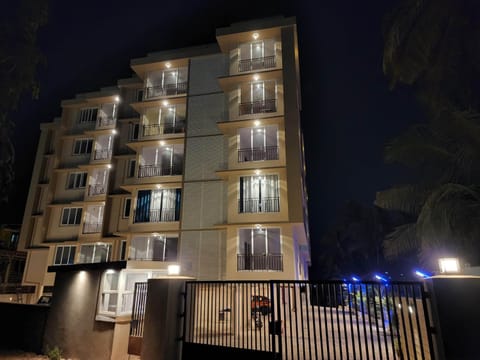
[[159, 170], [92, 228], [267, 262], [165, 90], [157, 215], [260, 63], [258, 107], [157, 129], [258, 154], [107, 121], [103, 154], [96, 189], [256, 205]]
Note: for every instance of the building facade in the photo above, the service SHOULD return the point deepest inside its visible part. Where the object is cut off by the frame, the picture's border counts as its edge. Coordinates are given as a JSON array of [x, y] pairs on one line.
[[196, 160]]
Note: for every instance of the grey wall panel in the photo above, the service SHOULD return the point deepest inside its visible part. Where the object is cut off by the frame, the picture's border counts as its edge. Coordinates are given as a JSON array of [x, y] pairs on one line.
[[204, 72]]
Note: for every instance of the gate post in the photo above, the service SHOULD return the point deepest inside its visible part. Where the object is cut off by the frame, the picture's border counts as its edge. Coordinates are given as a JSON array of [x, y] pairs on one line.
[[455, 315], [163, 322]]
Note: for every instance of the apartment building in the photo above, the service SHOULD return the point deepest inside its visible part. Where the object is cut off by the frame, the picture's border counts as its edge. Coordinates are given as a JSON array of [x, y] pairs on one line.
[[195, 161]]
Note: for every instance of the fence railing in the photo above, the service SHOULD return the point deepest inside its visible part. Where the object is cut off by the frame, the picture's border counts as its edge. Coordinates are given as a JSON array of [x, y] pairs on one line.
[[105, 122], [103, 154], [165, 90], [90, 228], [257, 63], [96, 189], [157, 215], [256, 205], [311, 320], [258, 154], [138, 309], [161, 129], [248, 262], [159, 170], [257, 107]]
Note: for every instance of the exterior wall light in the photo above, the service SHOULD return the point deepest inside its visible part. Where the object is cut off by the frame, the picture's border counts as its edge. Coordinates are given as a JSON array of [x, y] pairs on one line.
[[167, 65], [255, 36], [173, 269], [117, 99], [165, 102], [256, 77], [449, 265], [256, 123]]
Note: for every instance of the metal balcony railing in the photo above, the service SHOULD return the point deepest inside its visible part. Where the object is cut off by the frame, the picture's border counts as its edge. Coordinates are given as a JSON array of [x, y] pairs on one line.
[[160, 129], [248, 262], [257, 107], [256, 205], [157, 215], [165, 90], [90, 228], [103, 154], [105, 121], [260, 63], [96, 189], [159, 170], [258, 154]]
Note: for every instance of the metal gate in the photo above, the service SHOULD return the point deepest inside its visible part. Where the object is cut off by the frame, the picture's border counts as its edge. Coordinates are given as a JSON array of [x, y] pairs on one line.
[[306, 320]]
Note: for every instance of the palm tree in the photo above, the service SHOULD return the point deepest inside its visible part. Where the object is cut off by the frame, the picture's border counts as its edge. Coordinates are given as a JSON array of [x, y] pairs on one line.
[[433, 46]]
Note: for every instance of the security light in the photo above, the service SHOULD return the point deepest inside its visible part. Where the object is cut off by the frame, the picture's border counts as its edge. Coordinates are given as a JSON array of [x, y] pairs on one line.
[[449, 265], [173, 269]]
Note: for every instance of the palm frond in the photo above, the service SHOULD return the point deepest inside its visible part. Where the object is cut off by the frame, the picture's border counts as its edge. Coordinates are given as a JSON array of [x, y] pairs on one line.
[[408, 198], [401, 241]]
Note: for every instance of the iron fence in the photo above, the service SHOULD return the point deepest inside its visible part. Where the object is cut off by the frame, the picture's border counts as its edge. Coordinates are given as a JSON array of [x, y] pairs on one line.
[[257, 107], [259, 63], [258, 154]]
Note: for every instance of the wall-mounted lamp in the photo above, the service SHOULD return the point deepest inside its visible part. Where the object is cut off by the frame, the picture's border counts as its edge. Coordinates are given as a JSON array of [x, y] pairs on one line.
[[173, 269], [449, 265]]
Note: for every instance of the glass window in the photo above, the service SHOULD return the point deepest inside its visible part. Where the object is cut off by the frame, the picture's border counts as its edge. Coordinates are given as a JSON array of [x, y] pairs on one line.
[[77, 180], [71, 216], [259, 194], [64, 255], [132, 163], [127, 203], [95, 253], [87, 115], [154, 248], [82, 146]]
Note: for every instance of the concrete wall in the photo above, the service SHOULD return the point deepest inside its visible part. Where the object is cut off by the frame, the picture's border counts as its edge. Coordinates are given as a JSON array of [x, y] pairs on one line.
[[22, 326], [71, 323], [456, 316]]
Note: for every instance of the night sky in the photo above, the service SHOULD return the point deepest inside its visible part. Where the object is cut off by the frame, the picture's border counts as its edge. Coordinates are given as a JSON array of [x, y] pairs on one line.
[[348, 111]]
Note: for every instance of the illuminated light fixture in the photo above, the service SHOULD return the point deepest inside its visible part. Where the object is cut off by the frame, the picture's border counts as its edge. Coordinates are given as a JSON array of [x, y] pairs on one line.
[[117, 99], [381, 278], [422, 274], [158, 186], [165, 103], [410, 309], [162, 143], [256, 77], [110, 271], [449, 265], [109, 166], [170, 109], [173, 269], [354, 278], [258, 226], [114, 131], [257, 172], [168, 65], [255, 35], [256, 123]]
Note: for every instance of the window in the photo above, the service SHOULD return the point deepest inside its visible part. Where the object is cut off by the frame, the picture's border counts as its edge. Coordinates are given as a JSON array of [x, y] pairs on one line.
[[95, 253], [71, 216], [87, 115], [123, 250], [133, 132], [132, 163], [158, 205], [77, 180], [127, 203], [64, 255], [82, 146], [139, 94], [259, 194], [258, 143], [259, 249], [156, 248]]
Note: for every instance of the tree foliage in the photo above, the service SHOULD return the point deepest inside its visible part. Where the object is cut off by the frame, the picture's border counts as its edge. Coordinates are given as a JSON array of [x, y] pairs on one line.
[[19, 59], [433, 46]]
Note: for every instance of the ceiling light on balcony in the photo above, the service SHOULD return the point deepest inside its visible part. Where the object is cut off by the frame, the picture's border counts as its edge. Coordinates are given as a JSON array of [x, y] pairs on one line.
[[173, 269], [168, 65], [114, 131], [255, 35], [158, 186], [258, 226], [256, 77], [165, 103], [162, 142], [109, 166], [256, 123], [117, 99], [257, 172]]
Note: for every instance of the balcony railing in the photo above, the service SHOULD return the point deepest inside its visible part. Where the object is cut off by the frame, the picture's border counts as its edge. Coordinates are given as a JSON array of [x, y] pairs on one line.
[[157, 215], [158, 170], [258, 154], [256, 205], [258, 107], [105, 121], [257, 63], [165, 90], [103, 154], [248, 262], [90, 228], [96, 189], [160, 129]]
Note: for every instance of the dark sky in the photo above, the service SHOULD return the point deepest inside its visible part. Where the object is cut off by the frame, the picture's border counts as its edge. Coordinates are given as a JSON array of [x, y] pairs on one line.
[[348, 112]]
